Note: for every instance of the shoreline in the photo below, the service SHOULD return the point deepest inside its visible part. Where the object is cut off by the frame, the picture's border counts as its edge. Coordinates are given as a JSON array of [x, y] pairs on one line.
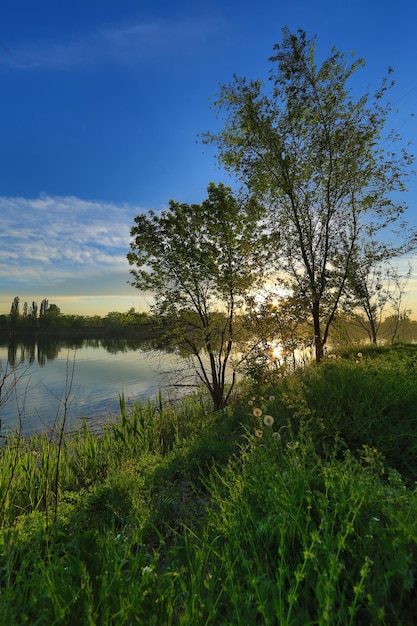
[[150, 330]]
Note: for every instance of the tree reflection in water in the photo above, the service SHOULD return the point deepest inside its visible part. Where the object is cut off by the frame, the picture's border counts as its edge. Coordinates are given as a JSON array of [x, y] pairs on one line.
[[104, 369], [43, 349]]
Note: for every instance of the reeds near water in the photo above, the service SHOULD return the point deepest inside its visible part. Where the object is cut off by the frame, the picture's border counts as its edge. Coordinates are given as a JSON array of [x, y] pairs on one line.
[[295, 505]]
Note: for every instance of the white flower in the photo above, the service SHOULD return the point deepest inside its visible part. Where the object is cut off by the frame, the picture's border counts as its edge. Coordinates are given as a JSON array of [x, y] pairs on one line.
[[147, 570]]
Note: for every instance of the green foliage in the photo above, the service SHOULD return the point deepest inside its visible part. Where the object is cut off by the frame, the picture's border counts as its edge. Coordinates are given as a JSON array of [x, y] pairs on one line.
[[130, 318], [365, 397], [193, 255], [199, 262], [313, 152], [295, 506], [301, 541]]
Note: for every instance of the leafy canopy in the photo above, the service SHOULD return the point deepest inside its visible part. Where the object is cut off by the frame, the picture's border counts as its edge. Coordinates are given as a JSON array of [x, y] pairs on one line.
[[200, 261], [198, 256], [313, 152]]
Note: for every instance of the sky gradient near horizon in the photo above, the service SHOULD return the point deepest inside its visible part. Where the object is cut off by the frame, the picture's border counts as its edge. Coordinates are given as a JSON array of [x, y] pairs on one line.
[[102, 103]]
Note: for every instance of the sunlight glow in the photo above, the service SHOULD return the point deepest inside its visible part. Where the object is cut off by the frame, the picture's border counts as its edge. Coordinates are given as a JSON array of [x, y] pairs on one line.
[[277, 352]]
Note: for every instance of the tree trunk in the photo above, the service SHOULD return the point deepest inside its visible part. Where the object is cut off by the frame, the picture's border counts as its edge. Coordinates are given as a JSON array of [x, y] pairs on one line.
[[372, 329], [318, 340], [217, 394]]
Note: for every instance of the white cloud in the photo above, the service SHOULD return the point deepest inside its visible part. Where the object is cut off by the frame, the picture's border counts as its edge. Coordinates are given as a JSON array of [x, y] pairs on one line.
[[126, 43], [57, 242]]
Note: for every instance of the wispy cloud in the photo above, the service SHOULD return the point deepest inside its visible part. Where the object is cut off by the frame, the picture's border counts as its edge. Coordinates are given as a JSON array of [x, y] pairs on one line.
[[54, 243], [126, 43]]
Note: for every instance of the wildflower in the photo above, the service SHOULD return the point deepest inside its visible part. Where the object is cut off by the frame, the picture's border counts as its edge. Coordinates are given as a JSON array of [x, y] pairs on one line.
[[276, 436], [147, 570], [268, 420], [271, 398], [257, 412], [258, 433], [360, 355], [250, 402]]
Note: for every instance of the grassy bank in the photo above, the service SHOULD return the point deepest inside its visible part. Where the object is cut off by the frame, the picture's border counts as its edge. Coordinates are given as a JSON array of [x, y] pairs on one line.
[[297, 505]]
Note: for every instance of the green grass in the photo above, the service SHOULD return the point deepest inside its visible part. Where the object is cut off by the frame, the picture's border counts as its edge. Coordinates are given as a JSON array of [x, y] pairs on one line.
[[178, 515]]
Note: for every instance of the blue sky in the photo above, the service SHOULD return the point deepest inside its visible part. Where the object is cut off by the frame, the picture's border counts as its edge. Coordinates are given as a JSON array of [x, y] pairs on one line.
[[101, 105]]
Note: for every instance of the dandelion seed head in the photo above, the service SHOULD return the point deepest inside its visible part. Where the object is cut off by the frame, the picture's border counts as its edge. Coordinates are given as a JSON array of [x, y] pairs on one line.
[[276, 436], [268, 420]]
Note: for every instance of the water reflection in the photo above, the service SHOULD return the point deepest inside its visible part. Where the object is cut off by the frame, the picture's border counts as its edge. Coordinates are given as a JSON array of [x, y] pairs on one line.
[[103, 369], [44, 349]]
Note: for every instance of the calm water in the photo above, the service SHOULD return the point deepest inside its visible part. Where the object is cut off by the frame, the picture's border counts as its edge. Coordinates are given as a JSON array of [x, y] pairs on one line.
[[100, 371]]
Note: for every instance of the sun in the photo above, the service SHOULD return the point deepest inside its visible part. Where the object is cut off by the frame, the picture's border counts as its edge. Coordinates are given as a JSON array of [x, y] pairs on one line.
[[277, 352]]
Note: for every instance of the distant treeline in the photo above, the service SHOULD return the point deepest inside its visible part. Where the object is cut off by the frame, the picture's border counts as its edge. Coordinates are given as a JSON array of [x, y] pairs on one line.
[[47, 319]]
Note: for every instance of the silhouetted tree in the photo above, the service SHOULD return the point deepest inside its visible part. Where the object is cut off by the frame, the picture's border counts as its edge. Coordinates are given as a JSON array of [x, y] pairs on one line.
[[200, 261], [14, 311], [313, 153]]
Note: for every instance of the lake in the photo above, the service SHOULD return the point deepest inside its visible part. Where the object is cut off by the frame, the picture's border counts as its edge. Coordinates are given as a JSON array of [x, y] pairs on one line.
[[92, 373]]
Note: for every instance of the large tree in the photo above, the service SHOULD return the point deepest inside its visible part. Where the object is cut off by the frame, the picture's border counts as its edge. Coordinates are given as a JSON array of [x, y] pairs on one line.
[[314, 153], [200, 261]]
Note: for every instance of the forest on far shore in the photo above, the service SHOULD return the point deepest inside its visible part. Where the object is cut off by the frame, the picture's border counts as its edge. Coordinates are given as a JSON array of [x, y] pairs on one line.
[[48, 320]]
